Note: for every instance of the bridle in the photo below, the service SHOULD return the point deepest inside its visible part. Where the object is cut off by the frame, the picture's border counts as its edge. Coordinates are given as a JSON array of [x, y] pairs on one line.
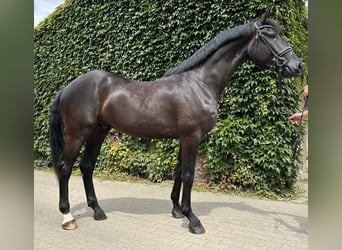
[[278, 57], [280, 62]]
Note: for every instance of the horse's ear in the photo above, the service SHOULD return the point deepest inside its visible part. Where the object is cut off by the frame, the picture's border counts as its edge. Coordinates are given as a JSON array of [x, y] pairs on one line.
[[266, 14]]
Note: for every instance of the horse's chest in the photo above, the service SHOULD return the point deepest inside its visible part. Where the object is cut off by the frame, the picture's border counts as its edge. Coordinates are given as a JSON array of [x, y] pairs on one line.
[[203, 115]]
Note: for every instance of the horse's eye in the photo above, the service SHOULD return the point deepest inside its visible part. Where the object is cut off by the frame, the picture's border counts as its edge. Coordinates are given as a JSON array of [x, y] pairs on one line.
[[272, 34]]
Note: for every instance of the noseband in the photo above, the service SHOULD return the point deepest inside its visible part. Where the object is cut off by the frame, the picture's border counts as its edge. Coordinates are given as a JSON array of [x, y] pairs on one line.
[[278, 57]]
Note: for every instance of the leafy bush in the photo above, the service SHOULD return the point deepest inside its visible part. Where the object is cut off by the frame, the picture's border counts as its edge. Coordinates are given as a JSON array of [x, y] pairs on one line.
[[251, 145]]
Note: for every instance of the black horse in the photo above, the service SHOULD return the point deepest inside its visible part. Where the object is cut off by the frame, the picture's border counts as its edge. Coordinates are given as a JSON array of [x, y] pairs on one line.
[[182, 104]]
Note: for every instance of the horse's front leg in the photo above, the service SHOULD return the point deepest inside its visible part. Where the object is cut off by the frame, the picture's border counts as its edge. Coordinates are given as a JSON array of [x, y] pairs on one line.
[[176, 210], [189, 152]]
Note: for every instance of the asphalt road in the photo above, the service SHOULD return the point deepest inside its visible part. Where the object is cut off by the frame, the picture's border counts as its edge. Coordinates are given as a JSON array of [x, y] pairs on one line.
[[139, 217]]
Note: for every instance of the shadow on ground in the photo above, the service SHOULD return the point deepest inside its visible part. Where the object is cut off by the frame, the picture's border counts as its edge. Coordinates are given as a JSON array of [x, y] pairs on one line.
[[145, 206]]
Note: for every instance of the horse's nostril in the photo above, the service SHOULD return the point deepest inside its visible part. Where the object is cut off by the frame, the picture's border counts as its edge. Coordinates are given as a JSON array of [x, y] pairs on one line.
[[300, 66]]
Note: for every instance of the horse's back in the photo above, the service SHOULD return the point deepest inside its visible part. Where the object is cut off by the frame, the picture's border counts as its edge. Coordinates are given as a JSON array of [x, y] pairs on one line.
[[89, 80]]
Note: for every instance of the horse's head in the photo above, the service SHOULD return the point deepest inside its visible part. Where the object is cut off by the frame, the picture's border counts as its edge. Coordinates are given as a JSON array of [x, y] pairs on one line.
[[269, 50]]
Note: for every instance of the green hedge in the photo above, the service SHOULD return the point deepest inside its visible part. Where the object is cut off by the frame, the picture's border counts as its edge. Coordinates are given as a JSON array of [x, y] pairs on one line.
[[251, 145]]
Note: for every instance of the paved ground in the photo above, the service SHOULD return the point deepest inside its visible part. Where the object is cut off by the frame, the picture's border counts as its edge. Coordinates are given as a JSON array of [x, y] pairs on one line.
[[139, 218]]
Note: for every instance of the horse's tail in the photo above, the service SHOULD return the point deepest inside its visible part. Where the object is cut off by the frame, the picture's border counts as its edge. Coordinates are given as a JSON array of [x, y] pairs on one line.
[[56, 131]]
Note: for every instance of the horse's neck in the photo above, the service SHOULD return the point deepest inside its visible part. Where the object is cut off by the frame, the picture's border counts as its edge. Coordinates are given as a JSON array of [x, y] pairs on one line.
[[220, 67]]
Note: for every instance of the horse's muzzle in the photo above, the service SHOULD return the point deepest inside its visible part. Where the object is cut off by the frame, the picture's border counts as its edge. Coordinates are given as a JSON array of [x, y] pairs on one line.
[[293, 68]]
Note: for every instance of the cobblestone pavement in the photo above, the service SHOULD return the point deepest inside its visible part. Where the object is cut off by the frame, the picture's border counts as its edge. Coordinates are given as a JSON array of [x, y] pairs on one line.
[[139, 217]]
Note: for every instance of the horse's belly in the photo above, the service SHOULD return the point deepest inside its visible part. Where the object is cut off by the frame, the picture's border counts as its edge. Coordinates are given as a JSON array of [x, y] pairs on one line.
[[146, 124], [146, 130]]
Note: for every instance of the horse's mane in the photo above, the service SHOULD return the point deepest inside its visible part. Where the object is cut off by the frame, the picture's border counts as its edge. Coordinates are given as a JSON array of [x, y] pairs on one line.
[[208, 49]]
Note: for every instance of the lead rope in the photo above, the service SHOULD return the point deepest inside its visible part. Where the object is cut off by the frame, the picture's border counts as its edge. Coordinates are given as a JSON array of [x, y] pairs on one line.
[[298, 134], [298, 141]]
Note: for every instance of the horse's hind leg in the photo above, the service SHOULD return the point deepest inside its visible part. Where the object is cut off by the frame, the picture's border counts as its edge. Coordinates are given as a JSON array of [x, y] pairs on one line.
[[63, 170], [93, 146], [176, 210]]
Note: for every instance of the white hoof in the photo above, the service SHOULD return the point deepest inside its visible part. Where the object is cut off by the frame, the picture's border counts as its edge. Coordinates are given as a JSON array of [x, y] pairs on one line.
[[69, 222]]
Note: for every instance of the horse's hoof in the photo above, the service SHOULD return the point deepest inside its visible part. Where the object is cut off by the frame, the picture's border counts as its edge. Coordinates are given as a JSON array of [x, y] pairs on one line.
[[177, 213], [197, 229], [70, 225], [100, 215]]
